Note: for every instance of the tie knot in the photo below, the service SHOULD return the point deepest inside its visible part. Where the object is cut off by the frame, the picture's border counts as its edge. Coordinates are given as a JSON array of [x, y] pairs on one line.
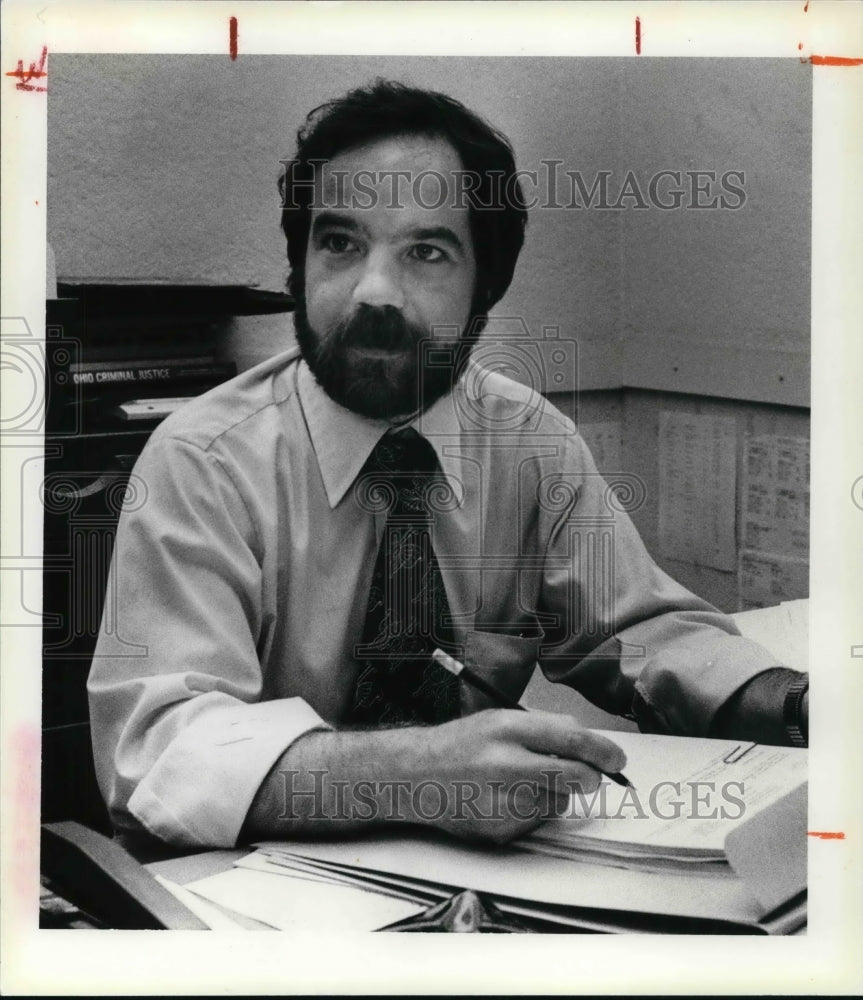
[[401, 478], [403, 451]]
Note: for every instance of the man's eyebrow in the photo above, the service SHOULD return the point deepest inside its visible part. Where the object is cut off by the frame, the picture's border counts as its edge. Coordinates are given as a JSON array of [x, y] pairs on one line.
[[442, 233], [335, 219]]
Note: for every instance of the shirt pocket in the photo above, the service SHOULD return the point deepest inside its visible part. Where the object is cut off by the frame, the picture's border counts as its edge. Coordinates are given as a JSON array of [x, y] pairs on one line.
[[505, 661]]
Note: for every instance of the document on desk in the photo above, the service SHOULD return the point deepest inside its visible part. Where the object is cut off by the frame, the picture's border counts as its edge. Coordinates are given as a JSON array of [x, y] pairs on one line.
[[302, 904], [639, 871], [687, 796], [784, 630]]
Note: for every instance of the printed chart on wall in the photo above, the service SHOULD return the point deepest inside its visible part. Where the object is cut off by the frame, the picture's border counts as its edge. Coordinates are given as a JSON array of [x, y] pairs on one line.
[[697, 480], [774, 557]]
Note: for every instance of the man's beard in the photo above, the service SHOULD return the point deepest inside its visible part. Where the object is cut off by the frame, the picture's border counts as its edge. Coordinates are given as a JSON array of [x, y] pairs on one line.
[[411, 372]]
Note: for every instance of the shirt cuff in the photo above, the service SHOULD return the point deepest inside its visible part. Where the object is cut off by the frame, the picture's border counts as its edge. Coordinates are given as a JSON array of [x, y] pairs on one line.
[[682, 692], [200, 789]]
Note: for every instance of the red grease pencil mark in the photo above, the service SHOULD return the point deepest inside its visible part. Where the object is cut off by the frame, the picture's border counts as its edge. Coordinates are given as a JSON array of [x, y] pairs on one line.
[[827, 835], [232, 30], [638, 36], [834, 61], [33, 73], [24, 805]]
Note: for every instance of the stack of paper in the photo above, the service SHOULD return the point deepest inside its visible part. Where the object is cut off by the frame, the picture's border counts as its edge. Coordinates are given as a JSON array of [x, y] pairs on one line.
[[563, 891], [687, 796]]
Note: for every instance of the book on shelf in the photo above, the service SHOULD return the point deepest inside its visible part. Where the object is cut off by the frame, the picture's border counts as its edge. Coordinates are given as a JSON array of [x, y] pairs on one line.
[[148, 371]]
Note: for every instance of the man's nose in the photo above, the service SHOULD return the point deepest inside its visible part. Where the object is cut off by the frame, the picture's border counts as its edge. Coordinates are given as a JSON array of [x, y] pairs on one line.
[[379, 283]]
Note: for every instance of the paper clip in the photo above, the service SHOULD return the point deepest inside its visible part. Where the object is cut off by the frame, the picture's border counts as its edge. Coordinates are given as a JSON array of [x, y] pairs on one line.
[[737, 753]]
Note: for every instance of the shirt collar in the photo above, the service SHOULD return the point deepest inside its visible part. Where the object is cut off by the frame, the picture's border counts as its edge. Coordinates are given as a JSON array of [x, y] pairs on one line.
[[343, 440]]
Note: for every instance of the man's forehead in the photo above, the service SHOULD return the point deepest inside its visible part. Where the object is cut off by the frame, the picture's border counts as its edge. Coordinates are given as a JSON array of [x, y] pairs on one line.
[[377, 162]]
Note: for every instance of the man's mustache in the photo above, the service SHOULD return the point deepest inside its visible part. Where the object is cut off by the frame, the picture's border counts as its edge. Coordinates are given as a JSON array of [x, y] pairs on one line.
[[382, 328]]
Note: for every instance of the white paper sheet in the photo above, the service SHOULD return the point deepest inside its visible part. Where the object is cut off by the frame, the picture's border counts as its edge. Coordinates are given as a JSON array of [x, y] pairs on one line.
[[297, 904], [783, 630], [688, 795], [214, 918]]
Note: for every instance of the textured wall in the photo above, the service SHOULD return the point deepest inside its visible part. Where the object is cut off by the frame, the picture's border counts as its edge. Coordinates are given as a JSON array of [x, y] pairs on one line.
[[739, 276]]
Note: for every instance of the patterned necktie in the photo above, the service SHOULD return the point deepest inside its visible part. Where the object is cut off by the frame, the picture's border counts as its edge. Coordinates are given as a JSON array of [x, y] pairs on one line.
[[408, 612]]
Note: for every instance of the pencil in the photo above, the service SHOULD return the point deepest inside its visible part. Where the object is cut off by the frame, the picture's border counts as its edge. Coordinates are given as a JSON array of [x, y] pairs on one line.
[[481, 684]]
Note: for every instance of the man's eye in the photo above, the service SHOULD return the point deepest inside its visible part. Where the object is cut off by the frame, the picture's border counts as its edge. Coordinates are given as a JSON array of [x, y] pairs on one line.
[[428, 253], [337, 243]]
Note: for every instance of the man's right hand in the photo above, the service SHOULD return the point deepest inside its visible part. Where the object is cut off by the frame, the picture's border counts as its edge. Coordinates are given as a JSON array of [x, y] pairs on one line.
[[492, 776]]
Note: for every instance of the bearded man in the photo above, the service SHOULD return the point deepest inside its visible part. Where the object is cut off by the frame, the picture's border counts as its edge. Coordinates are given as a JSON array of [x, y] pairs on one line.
[[317, 527]]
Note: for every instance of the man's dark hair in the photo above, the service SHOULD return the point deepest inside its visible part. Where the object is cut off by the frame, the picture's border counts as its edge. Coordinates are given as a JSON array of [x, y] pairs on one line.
[[385, 109]]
